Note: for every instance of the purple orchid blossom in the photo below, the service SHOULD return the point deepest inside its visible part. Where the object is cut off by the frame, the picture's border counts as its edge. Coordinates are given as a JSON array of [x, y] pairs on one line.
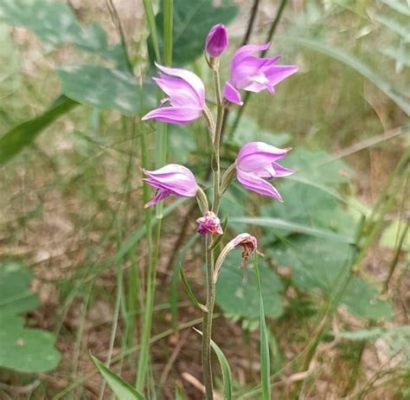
[[216, 41], [209, 223], [186, 96], [256, 162], [172, 179], [254, 74]]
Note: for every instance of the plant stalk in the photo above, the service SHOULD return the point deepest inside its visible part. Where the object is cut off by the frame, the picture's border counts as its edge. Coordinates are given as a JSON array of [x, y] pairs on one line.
[[207, 323], [210, 250]]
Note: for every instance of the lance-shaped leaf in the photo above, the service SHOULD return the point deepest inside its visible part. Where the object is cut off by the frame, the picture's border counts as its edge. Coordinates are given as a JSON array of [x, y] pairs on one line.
[[17, 138]]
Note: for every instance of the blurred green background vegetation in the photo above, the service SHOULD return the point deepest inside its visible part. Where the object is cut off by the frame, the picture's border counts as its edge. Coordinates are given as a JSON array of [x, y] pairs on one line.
[[75, 78]]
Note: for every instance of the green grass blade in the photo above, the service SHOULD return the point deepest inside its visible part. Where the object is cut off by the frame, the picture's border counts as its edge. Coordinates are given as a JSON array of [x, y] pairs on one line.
[[149, 13], [293, 227], [168, 30], [225, 368], [359, 66], [121, 389], [21, 136], [264, 343], [394, 25]]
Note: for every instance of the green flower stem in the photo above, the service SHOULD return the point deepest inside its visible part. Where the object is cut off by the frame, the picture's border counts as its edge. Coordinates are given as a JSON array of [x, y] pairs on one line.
[[210, 252], [207, 323], [216, 168]]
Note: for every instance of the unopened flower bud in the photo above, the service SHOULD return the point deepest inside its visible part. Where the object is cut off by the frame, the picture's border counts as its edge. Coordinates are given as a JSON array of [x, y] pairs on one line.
[[209, 223], [216, 41]]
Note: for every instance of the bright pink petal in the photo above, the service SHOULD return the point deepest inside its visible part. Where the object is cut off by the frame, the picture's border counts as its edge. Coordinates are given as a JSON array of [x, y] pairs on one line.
[[256, 156], [174, 115], [256, 184], [180, 92], [216, 40], [174, 178], [159, 195], [189, 77], [232, 95], [281, 171], [277, 73], [248, 50]]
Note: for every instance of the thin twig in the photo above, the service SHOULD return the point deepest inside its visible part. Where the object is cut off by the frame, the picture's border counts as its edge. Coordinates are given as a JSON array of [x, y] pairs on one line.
[[251, 22]]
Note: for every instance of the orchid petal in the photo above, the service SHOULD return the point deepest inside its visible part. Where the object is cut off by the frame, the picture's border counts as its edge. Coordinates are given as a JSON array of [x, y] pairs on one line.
[[193, 80], [232, 94], [257, 184], [174, 115]]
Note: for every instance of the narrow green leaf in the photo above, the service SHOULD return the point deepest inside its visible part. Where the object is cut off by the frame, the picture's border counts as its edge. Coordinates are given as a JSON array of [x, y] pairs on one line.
[[176, 268], [190, 293], [168, 29], [394, 25], [55, 23], [153, 37], [121, 389], [17, 138], [103, 88], [225, 368], [264, 342], [293, 228], [351, 61]]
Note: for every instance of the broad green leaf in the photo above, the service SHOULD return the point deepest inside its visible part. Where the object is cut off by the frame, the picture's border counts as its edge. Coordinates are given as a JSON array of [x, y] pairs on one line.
[[26, 350], [342, 56], [22, 349], [17, 138], [237, 290], [315, 263], [15, 294], [55, 23], [248, 130], [233, 204], [292, 227], [320, 166], [181, 143], [312, 204], [191, 24], [103, 88], [396, 338], [121, 389], [264, 342], [361, 298], [319, 264], [225, 368]]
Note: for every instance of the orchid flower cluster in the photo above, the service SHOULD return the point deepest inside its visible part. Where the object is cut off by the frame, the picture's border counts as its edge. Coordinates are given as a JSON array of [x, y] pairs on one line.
[[255, 164]]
